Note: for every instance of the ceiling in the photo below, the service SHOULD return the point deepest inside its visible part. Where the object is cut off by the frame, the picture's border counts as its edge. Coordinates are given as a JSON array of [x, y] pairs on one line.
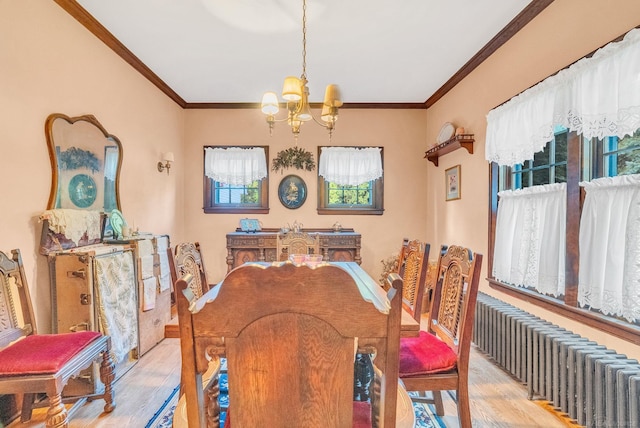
[[222, 52]]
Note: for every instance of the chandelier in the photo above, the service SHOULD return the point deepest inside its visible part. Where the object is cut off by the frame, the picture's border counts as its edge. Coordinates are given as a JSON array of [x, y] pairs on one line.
[[296, 94]]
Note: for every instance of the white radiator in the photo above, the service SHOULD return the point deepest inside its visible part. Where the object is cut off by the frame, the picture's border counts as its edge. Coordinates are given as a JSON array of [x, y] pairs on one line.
[[595, 386]]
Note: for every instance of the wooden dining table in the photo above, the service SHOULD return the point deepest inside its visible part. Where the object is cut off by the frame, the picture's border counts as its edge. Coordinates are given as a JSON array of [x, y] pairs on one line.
[[371, 291]]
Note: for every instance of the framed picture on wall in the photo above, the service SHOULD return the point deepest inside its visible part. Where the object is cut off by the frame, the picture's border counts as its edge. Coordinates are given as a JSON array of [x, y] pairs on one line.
[[452, 183], [292, 191]]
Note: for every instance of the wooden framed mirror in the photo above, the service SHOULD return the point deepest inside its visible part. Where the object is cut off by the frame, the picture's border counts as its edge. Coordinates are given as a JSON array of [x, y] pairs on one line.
[[85, 164]]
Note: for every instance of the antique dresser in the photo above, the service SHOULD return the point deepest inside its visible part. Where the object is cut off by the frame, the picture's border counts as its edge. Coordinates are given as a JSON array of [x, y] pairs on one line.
[[242, 247]]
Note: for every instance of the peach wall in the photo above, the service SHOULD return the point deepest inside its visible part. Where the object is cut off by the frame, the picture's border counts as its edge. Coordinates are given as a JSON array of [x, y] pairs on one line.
[[52, 64], [564, 32], [400, 132]]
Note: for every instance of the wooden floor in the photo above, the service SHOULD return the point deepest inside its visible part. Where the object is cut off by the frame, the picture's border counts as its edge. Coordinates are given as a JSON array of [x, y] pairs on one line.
[[497, 400]]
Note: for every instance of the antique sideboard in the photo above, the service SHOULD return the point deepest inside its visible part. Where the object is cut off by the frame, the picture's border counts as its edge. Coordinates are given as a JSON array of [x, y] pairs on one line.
[[242, 247]]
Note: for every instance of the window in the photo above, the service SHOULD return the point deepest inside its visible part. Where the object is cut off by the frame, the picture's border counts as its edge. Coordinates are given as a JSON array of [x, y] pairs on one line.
[[220, 197], [572, 159], [548, 166], [611, 156], [365, 198], [602, 202]]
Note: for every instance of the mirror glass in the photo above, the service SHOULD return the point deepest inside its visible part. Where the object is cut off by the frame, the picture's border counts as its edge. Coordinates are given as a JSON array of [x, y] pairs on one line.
[[85, 160]]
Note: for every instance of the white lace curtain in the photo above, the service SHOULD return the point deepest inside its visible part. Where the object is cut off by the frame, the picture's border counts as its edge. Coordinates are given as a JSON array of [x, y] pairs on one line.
[[597, 97], [350, 166], [609, 278], [235, 165], [530, 238]]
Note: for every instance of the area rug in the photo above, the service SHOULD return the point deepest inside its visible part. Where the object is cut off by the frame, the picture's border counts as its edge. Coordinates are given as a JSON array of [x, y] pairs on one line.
[[163, 418]]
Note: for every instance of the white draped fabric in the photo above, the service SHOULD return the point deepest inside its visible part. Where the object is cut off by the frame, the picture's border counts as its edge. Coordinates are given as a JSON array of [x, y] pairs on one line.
[[350, 166], [530, 238], [111, 163], [235, 165], [609, 278], [596, 97]]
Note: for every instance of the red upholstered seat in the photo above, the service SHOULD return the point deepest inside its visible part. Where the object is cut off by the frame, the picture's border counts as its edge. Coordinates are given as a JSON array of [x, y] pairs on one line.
[[43, 353], [425, 354], [361, 415]]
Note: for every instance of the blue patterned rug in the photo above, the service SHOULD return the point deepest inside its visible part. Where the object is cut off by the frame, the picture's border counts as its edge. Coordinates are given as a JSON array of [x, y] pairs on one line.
[[163, 418]]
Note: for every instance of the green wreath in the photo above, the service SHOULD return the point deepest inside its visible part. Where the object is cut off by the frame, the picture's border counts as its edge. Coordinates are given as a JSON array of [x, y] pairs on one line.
[[293, 157]]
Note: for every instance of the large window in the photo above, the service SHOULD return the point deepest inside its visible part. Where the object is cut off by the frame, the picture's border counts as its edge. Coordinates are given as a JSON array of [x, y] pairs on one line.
[[571, 159], [220, 197], [364, 198]]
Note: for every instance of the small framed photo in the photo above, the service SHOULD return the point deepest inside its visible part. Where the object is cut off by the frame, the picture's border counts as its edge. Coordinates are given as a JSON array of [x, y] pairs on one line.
[[452, 183]]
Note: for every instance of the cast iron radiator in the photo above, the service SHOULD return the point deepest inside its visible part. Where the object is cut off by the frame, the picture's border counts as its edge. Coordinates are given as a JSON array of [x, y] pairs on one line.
[[595, 386]]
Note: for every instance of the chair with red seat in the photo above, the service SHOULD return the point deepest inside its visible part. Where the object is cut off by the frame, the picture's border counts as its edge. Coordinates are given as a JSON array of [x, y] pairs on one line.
[[32, 363], [438, 360]]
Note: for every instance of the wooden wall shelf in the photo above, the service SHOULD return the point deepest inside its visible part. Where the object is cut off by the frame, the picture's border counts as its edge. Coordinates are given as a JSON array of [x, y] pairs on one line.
[[463, 140]]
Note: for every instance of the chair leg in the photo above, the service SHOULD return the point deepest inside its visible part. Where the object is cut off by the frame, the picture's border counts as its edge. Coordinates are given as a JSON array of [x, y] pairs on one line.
[[57, 416], [212, 405], [464, 414], [27, 406], [107, 376], [437, 400]]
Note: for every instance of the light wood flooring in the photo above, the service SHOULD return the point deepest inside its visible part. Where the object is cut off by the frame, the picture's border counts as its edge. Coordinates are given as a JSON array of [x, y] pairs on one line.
[[497, 400]]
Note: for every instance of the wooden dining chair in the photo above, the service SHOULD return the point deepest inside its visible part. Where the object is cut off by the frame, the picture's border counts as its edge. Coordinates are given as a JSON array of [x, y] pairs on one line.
[[438, 360], [32, 363], [297, 243], [188, 259], [412, 268], [290, 333]]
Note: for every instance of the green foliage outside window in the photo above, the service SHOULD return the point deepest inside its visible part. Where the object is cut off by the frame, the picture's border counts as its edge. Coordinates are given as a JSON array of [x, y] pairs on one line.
[[360, 195]]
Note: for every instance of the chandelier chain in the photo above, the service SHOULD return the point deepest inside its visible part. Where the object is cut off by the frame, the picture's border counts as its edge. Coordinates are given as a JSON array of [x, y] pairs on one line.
[[304, 39]]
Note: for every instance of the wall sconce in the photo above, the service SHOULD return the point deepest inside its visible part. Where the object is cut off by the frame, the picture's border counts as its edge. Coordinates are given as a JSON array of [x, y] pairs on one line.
[[167, 158]]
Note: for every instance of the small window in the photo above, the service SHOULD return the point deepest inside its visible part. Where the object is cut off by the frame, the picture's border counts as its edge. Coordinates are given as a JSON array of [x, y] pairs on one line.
[[363, 199], [226, 198]]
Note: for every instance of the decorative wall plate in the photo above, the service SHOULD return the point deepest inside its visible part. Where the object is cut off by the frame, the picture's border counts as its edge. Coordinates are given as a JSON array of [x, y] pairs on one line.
[[116, 220], [82, 190], [446, 132], [292, 191]]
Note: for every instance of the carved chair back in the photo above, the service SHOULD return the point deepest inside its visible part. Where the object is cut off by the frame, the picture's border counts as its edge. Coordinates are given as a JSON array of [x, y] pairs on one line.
[[16, 312], [297, 243], [188, 260], [454, 299], [412, 267], [289, 334]]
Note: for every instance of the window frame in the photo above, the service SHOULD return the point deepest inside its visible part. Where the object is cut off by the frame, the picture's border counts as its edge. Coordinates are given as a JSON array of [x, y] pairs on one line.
[[209, 207], [377, 189], [568, 306]]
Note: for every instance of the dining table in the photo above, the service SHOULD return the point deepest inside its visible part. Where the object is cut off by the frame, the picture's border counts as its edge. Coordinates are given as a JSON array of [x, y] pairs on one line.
[[371, 291]]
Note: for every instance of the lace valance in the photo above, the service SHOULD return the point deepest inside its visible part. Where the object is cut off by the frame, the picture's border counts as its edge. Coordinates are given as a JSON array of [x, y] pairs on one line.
[[596, 97], [350, 166], [235, 165]]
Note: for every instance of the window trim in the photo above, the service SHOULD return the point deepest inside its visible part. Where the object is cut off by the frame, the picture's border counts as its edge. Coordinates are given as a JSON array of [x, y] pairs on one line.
[[378, 194], [262, 208], [569, 306]]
